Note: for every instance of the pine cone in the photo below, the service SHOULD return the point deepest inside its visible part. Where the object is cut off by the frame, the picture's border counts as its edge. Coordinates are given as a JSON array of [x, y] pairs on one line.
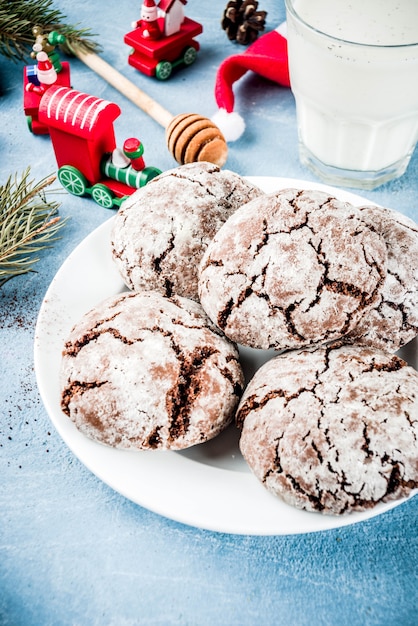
[[242, 22]]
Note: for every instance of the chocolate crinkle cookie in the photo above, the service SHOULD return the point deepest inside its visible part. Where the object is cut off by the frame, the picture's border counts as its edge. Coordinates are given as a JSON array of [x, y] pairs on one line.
[[161, 232], [393, 322], [143, 371], [292, 269], [332, 429]]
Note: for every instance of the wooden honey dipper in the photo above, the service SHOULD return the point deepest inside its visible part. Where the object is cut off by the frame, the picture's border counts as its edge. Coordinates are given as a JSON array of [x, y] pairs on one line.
[[190, 137]]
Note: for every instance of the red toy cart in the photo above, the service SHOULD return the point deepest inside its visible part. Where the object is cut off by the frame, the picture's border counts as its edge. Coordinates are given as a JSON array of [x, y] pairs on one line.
[[158, 57]]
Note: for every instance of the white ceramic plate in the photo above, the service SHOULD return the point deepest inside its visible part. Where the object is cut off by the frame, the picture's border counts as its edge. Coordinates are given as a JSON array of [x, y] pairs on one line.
[[208, 486]]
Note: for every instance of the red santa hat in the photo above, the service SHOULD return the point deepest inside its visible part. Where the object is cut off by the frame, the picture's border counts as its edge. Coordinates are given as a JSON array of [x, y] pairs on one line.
[[149, 10], [267, 56]]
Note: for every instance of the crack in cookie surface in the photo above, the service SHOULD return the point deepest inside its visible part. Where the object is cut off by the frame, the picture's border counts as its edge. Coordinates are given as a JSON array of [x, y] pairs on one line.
[[393, 321], [142, 371], [289, 271], [161, 232], [332, 429]]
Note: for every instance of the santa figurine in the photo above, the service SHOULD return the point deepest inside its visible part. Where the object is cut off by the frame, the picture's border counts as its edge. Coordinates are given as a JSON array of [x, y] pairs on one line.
[[148, 24], [45, 72]]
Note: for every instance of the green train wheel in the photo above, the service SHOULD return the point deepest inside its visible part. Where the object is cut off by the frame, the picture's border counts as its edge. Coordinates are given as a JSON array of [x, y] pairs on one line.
[[72, 180], [102, 195]]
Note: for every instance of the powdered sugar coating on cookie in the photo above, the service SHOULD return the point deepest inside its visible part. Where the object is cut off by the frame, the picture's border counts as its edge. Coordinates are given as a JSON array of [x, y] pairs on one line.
[[161, 232], [291, 269], [333, 429], [394, 321], [141, 371]]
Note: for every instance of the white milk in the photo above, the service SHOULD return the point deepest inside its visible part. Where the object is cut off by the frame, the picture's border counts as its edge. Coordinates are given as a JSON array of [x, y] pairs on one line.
[[379, 22], [357, 104]]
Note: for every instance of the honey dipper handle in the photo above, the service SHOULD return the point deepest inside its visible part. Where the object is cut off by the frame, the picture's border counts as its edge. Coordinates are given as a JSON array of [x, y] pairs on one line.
[[126, 88]]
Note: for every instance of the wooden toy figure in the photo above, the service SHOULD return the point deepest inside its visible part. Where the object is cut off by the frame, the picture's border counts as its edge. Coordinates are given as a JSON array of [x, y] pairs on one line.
[[47, 43], [163, 38], [148, 24], [45, 73]]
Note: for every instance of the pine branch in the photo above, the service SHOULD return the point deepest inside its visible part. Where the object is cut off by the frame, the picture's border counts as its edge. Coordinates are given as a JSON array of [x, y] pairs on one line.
[[28, 224], [18, 17]]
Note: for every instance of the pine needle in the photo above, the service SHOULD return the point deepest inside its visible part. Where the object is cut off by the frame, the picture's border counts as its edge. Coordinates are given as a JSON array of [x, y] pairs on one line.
[[28, 224], [18, 17]]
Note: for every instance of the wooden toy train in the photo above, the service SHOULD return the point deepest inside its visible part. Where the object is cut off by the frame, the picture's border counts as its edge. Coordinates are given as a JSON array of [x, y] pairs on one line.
[[81, 129], [82, 134], [81, 125]]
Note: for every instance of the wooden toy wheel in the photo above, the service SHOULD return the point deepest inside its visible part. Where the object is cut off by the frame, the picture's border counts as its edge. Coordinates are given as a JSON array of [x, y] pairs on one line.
[[163, 70], [189, 56], [72, 180], [102, 195]]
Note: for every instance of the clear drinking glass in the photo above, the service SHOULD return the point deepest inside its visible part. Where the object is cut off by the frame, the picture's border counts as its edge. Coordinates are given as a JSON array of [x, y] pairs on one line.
[[354, 74]]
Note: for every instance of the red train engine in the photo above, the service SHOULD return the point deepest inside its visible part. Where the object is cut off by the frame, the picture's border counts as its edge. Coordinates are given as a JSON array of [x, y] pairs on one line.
[[82, 134]]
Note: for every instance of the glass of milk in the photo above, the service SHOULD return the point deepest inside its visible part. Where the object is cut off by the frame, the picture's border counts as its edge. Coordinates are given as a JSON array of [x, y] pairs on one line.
[[354, 74]]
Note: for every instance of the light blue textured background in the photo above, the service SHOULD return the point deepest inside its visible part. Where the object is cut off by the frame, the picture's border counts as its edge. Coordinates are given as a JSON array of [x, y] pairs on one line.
[[74, 552]]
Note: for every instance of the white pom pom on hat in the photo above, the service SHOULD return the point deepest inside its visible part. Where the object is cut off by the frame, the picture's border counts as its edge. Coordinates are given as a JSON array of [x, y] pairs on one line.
[[267, 56], [231, 124]]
